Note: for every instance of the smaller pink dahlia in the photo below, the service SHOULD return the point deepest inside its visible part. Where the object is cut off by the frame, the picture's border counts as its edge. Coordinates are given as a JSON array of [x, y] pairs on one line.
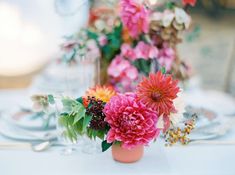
[[135, 17], [131, 122]]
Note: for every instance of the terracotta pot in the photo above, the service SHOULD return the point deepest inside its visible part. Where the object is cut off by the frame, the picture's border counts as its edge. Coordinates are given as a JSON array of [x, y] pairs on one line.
[[127, 156]]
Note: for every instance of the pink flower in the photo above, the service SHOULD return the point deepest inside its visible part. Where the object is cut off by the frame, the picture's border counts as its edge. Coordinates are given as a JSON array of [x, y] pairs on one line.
[[92, 49], [166, 57], [128, 52], [131, 122], [122, 72], [102, 40], [135, 17], [146, 51], [118, 66], [153, 52]]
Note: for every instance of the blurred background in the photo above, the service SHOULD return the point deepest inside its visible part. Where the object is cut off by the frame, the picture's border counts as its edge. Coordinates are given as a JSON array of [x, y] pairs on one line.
[[31, 32]]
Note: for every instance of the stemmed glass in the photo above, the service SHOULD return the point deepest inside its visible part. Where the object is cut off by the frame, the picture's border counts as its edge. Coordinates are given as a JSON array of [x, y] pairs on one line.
[[62, 136]]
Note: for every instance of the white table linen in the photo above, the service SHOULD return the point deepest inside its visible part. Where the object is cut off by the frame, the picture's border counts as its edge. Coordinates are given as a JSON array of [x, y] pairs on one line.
[[157, 160]]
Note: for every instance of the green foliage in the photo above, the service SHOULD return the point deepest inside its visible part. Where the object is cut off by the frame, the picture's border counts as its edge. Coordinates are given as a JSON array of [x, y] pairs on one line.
[[105, 145], [112, 48], [170, 5], [80, 100], [163, 70], [86, 121], [73, 118], [143, 66], [67, 121], [92, 35], [76, 120]]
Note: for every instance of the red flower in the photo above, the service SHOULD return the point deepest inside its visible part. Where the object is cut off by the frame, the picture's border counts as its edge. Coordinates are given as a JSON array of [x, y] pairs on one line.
[[189, 2], [158, 92]]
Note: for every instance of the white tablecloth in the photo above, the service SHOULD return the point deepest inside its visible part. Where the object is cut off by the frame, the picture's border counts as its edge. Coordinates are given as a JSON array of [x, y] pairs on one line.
[[157, 160]]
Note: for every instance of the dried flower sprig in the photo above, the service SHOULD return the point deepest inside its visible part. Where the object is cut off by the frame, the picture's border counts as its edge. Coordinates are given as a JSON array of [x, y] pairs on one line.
[[175, 135]]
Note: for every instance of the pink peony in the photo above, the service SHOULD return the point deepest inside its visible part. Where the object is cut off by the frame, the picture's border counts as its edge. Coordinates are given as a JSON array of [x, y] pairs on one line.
[[128, 52], [135, 17], [166, 57], [131, 122], [146, 51]]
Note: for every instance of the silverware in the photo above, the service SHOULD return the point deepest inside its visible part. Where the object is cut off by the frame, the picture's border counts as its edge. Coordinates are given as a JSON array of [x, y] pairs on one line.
[[38, 147], [210, 142]]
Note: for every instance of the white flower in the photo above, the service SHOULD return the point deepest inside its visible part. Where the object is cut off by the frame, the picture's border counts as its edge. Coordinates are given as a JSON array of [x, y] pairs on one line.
[[182, 17], [179, 104], [160, 122], [157, 16], [167, 19]]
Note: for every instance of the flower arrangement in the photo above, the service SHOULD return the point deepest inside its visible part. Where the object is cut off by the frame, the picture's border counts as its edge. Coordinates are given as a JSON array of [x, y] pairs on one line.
[[134, 38], [128, 119]]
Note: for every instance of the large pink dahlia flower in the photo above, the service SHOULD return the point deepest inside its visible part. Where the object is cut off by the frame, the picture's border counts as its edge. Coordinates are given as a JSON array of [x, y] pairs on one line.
[[131, 122]]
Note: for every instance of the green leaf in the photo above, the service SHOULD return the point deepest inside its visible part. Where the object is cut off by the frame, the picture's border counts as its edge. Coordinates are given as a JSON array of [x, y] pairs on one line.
[[170, 5], [92, 35], [51, 99], [79, 115], [100, 134], [143, 65], [67, 105], [105, 145], [80, 100], [163, 70], [86, 121]]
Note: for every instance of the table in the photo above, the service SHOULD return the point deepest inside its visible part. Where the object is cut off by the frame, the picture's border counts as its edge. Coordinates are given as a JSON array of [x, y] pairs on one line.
[[157, 160]]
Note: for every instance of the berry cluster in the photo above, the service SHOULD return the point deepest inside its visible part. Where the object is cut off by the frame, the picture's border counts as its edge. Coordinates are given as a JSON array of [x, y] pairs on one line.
[[95, 109]]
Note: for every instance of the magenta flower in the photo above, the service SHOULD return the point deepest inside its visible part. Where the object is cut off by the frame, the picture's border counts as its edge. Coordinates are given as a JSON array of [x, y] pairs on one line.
[[135, 17], [166, 57], [146, 51], [131, 122], [128, 52]]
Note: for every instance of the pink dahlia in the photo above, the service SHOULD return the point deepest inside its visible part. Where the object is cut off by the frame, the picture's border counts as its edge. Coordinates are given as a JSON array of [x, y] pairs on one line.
[[158, 92], [131, 122], [135, 17]]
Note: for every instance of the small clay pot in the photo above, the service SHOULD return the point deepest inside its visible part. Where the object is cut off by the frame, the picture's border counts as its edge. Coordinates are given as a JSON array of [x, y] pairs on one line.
[[125, 155]]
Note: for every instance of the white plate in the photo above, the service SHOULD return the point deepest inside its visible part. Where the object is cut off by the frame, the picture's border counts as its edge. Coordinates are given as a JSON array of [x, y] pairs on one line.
[[219, 102], [15, 133], [25, 120]]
